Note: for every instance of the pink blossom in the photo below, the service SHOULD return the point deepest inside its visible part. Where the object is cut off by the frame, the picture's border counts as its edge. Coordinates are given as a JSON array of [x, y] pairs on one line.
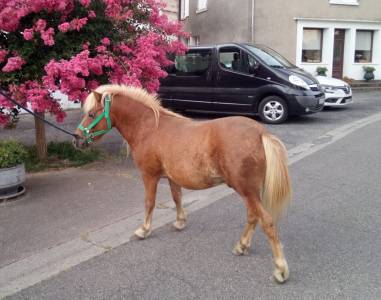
[[13, 64], [101, 49], [47, 36], [77, 24], [28, 34], [86, 45], [105, 41], [40, 24], [64, 27], [85, 3], [92, 14], [3, 54]]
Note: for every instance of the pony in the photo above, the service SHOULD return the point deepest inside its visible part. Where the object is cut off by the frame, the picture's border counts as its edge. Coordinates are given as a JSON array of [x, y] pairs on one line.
[[236, 151]]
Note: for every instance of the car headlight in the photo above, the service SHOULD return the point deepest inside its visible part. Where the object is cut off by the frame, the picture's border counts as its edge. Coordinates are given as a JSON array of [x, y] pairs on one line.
[[328, 89], [295, 80]]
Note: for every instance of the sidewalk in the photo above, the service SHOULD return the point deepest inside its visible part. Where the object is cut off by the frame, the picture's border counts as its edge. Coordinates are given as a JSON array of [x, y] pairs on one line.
[[62, 205]]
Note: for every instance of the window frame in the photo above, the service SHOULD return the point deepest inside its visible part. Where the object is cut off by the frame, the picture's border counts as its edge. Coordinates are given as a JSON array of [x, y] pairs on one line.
[[321, 45], [184, 9], [371, 46], [201, 9]]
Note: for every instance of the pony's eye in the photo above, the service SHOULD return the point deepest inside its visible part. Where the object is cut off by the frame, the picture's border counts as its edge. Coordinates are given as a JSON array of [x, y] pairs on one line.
[[91, 115]]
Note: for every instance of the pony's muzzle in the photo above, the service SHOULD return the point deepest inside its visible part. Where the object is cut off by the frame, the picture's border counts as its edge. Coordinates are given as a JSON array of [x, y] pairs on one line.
[[79, 142]]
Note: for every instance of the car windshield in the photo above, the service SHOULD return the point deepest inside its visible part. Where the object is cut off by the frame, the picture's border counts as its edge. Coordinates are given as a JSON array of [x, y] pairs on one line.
[[270, 57]]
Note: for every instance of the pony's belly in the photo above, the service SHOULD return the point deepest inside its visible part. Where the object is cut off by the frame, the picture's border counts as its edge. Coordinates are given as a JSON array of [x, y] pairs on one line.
[[196, 181]]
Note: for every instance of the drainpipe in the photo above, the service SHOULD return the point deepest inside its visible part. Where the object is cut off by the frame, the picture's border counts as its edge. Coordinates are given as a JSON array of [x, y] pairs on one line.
[[252, 20], [179, 11]]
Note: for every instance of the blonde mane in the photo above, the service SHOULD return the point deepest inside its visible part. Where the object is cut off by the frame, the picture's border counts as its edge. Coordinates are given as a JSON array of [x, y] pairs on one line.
[[133, 93]]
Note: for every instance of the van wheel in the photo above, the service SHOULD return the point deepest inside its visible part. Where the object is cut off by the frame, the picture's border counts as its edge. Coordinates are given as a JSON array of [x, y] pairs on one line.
[[273, 110]]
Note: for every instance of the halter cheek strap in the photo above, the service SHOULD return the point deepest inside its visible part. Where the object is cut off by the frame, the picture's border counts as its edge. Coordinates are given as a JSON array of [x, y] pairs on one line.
[[89, 136]]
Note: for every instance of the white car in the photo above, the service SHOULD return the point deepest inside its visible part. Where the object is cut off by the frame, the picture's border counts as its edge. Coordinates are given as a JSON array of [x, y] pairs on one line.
[[337, 92]]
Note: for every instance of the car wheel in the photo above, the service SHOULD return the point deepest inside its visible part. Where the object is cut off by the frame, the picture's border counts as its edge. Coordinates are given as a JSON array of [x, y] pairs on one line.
[[273, 110]]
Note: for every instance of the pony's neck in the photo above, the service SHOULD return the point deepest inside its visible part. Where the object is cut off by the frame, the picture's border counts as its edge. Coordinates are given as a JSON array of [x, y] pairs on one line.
[[134, 120]]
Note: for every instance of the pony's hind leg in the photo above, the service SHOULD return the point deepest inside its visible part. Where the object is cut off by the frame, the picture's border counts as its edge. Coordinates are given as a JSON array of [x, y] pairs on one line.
[[243, 245], [256, 213], [150, 184], [281, 272], [180, 222]]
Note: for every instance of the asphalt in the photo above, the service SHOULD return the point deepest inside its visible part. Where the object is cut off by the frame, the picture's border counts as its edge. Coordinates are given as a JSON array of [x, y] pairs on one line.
[[330, 235]]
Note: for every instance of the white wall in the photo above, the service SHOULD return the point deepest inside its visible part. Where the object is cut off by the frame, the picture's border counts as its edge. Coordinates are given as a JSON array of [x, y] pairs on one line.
[[63, 99], [350, 69]]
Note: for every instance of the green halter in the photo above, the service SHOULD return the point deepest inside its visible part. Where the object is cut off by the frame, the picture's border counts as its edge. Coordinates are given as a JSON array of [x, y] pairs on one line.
[[105, 114]]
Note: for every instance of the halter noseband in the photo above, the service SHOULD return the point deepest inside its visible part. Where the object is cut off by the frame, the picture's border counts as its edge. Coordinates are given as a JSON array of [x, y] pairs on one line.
[[89, 136]]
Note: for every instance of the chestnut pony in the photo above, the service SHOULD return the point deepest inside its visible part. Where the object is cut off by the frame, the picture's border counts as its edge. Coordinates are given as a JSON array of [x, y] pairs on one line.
[[236, 151]]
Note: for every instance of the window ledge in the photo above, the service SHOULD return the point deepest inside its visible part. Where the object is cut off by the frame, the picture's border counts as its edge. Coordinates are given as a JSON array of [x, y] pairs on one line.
[[366, 64], [313, 63], [201, 10], [344, 2]]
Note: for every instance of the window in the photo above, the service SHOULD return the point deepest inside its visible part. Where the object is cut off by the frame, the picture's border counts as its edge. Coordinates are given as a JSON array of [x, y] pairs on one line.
[[184, 9], [194, 63], [364, 45], [344, 2], [193, 40], [234, 59], [202, 5], [312, 45]]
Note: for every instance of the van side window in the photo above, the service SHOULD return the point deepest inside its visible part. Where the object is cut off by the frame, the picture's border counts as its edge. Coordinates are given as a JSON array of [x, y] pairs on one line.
[[232, 58], [193, 63]]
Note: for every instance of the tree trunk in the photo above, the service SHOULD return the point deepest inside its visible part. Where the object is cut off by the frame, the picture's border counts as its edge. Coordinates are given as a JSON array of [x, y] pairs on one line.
[[40, 138]]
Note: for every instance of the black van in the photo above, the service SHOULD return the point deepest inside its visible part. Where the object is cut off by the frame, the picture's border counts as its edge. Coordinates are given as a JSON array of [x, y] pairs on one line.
[[240, 78]]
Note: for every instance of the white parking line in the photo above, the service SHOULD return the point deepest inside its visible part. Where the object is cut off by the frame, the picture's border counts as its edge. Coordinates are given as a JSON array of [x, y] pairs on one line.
[[49, 262]]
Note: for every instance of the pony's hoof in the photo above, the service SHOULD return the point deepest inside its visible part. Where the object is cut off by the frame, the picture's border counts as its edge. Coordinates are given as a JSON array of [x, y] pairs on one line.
[[179, 225], [240, 249], [142, 233], [281, 272]]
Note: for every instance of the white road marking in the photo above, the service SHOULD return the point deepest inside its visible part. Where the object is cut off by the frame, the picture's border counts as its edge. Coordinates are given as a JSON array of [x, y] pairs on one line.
[[51, 261]]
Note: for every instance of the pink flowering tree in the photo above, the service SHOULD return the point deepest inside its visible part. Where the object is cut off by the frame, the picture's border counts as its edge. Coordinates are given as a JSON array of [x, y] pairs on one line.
[[73, 46]]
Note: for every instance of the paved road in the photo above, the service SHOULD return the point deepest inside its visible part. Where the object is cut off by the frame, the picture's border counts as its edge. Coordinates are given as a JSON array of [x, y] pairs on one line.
[[330, 236]]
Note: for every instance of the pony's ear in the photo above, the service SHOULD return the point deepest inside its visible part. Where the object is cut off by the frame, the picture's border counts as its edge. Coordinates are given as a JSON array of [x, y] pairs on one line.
[[97, 96]]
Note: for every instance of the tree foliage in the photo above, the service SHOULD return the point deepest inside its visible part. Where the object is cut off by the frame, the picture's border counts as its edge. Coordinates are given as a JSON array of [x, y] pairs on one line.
[[75, 45]]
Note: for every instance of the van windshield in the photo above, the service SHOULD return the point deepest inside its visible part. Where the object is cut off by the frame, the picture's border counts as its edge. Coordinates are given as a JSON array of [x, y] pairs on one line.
[[270, 57]]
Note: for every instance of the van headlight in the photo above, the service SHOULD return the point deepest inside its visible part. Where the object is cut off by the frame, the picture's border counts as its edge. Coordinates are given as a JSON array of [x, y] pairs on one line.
[[295, 80]]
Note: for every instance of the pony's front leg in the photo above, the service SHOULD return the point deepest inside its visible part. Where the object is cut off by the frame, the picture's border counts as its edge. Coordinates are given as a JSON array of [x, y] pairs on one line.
[[150, 184], [180, 213]]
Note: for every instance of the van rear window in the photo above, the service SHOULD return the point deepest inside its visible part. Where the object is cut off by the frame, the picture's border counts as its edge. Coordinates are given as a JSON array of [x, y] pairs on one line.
[[193, 63]]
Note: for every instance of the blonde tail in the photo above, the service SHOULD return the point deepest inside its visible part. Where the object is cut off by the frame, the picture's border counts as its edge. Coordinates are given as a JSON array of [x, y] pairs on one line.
[[277, 186]]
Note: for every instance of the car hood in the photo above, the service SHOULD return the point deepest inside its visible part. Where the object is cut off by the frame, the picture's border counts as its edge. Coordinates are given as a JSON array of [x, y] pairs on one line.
[[323, 80], [307, 77]]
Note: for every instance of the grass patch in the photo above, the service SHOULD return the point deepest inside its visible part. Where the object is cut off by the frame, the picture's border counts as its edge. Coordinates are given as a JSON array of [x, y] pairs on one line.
[[60, 155]]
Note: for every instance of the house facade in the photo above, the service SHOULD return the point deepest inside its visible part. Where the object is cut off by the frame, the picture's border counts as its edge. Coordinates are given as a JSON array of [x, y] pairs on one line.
[[341, 35], [172, 9]]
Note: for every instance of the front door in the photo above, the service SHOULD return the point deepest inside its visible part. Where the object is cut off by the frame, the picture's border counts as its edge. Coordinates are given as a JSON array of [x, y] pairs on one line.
[[338, 53], [236, 86]]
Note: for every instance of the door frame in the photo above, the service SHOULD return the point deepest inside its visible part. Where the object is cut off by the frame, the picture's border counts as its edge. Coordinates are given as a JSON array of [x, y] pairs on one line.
[[338, 70]]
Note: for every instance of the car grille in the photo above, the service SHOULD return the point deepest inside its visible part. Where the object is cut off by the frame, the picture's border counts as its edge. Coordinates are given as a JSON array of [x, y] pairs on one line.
[[346, 89]]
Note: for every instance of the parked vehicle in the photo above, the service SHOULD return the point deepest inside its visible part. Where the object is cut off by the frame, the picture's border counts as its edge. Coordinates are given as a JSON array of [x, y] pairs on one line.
[[337, 92], [240, 78]]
